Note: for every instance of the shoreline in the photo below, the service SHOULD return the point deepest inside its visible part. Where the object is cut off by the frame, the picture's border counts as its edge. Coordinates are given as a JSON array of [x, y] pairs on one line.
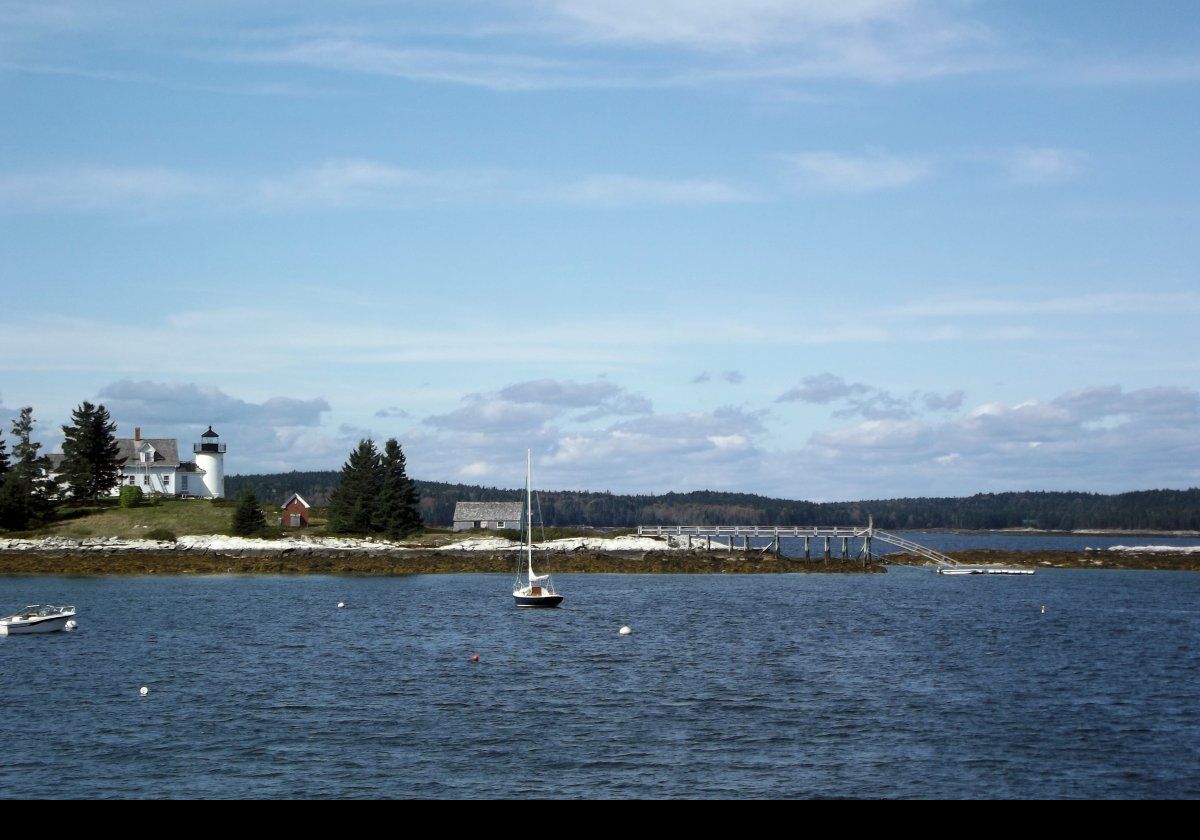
[[1182, 561], [409, 562], [317, 561]]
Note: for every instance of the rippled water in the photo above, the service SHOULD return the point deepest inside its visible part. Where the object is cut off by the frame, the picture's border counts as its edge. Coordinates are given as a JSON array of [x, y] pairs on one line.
[[906, 684]]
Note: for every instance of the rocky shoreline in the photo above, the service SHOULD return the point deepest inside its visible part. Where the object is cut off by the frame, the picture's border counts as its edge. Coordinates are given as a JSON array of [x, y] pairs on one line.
[[317, 561], [232, 555], [1151, 557]]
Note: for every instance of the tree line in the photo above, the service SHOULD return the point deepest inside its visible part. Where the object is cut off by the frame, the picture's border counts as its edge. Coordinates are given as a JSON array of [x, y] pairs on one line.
[[1151, 510]]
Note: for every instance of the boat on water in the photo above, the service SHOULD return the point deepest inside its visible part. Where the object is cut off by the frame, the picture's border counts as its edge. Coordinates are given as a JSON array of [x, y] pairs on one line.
[[36, 618], [532, 589]]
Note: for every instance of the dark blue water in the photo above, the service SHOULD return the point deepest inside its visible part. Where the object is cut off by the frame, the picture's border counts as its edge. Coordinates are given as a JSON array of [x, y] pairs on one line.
[[907, 684]]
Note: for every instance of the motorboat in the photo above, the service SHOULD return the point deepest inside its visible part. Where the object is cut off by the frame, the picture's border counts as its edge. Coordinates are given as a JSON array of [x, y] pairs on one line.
[[36, 618]]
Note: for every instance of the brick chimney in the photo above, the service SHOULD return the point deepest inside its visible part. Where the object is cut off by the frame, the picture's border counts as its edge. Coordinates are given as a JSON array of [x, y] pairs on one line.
[[137, 433]]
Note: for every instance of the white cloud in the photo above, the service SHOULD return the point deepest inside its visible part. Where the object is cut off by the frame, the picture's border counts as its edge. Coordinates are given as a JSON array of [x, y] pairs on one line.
[[97, 189], [1028, 165], [1095, 303], [854, 173], [475, 470], [276, 434], [1097, 438], [337, 185], [1134, 70], [623, 190], [723, 23], [822, 389], [564, 44], [855, 399], [182, 402], [529, 406]]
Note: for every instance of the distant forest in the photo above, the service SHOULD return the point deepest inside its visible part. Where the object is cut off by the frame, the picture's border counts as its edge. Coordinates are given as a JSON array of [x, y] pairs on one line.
[[1151, 510]]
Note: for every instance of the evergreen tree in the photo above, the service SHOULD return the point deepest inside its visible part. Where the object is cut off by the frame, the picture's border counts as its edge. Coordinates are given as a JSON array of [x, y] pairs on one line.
[[398, 497], [14, 505], [354, 503], [90, 466], [248, 518], [31, 470]]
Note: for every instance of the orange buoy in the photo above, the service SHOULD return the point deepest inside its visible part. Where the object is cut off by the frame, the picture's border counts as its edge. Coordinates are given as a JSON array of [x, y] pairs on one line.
[[475, 658]]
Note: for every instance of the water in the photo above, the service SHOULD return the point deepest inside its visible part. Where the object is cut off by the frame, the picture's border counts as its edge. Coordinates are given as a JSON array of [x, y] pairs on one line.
[[907, 684]]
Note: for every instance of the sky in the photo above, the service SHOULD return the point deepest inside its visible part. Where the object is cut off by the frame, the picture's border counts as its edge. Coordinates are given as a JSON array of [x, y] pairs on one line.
[[822, 250]]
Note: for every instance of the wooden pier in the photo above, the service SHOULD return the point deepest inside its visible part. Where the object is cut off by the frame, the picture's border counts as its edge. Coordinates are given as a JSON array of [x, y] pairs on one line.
[[828, 535]]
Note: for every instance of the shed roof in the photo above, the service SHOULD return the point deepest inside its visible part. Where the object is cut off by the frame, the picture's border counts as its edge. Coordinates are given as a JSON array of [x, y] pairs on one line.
[[487, 511], [297, 497]]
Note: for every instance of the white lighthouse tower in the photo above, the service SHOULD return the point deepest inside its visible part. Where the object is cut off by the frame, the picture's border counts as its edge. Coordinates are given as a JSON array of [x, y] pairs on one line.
[[210, 457]]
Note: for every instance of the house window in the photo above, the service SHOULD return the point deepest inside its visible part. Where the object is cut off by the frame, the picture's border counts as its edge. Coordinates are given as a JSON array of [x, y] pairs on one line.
[[183, 483], [167, 480], [146, 480]]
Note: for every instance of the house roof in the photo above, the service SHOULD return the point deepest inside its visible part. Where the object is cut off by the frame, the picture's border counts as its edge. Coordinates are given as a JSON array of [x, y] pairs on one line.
[[490, 511], [166, 454], [190, 467], [297, 497], [166, 451]]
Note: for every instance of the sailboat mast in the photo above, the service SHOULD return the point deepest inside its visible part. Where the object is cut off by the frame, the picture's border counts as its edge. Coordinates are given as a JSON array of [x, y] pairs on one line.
[[529, 508]]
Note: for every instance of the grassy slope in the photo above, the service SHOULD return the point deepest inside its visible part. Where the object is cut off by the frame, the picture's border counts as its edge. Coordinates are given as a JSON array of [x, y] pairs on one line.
[[180, 516], [198, 516]]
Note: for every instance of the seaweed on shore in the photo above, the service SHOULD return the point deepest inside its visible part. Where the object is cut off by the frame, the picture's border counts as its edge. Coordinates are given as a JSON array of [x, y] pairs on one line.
[[318, 562]]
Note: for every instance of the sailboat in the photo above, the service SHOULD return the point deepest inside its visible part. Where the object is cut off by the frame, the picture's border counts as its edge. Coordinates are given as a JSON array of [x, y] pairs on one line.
[[533, 590]]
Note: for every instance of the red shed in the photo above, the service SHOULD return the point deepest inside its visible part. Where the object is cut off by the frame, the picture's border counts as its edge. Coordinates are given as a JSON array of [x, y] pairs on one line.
[[295, 512]]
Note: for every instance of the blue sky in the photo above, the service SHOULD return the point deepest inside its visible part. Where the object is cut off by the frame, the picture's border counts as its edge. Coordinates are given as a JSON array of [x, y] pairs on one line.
[[816, 249]]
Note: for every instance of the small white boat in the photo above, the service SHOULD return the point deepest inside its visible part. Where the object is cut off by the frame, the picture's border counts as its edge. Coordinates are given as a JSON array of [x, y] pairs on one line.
[[36, 618], [534, 590], [965, 570]]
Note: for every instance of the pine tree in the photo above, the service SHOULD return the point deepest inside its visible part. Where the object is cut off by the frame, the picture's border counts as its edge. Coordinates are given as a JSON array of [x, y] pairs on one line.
[[14, 505], [248, 518], [398, 497], [31, 470], [354, 503], [90, 466], [14, 500]]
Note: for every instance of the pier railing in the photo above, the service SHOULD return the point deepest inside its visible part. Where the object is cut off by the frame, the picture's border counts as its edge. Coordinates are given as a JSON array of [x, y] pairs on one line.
[[805, 532]]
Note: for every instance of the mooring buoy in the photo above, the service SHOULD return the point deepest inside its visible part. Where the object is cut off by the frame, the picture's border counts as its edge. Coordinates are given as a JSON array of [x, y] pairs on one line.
[[625, 631]]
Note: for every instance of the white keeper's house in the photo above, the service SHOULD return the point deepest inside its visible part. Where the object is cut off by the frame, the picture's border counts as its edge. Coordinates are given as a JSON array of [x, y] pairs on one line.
[[154, 465]]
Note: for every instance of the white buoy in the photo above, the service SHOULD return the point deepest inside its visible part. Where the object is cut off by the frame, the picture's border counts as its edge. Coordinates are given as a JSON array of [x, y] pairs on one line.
[[70, 625], [143, 691], [1043, 609], [625, 631], [341, 605]]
